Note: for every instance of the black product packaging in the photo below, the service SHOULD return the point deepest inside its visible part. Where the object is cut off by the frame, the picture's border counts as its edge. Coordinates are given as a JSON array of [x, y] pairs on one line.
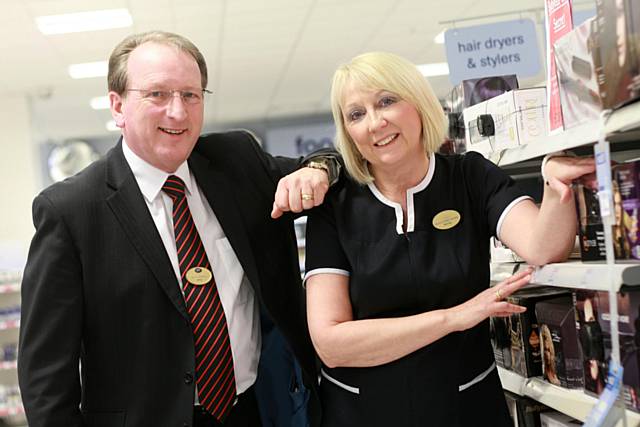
[[526, 357], [471, 92], [629, 338], [561, 358], [590, 227], [591, 340], [524, 412], [501, 341], [627, 207], [616, 51]]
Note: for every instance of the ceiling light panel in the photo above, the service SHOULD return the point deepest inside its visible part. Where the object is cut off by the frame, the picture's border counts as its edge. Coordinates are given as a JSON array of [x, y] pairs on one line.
[[84, 21], [88, 70]]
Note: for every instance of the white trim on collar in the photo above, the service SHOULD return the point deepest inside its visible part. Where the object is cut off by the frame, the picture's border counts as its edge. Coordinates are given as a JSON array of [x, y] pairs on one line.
[[410, 193]]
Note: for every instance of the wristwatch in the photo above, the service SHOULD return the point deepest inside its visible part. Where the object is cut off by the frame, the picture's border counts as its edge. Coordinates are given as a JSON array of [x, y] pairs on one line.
[[331, 167]]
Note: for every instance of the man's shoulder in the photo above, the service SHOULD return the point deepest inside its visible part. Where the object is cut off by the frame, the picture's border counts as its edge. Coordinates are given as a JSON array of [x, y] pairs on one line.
[[226, 142], [79, 188]]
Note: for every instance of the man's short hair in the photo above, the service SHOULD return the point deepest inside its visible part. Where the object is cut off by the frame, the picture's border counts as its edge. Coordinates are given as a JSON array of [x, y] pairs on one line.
[[117, 76]]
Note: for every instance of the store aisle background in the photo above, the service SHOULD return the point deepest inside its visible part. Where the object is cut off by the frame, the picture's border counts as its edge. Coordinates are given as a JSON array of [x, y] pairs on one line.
[[270, 64]]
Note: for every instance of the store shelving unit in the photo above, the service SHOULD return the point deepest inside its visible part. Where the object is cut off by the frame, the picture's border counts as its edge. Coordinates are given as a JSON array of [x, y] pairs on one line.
[[11, 410], [622, 120], [574, 274], [581, 275], [575, 403]]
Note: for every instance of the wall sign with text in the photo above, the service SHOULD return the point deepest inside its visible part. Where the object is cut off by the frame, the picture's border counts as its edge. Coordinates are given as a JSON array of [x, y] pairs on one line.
[[509, 47]]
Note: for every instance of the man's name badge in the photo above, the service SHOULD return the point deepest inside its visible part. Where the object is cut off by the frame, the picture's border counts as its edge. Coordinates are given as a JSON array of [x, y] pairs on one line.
[[199, 276], [446, 219]]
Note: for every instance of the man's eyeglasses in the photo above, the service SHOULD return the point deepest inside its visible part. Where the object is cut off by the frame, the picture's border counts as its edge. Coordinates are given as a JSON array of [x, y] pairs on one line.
[[162, 97]]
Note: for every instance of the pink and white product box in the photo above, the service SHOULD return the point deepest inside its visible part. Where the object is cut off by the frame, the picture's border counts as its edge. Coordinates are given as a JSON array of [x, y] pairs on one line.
[[579, 93], [514, 118]]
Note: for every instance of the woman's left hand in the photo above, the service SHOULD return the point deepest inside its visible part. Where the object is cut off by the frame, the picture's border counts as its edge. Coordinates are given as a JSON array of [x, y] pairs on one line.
[[561, 171]]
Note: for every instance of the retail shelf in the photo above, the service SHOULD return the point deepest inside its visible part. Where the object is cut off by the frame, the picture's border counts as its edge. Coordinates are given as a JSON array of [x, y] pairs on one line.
[[621, 120], [583, 134], [624, 119], [575, 403], [503, 270], [11, 410], [9, 324], [7, 288], [581, 275], [5, 366]]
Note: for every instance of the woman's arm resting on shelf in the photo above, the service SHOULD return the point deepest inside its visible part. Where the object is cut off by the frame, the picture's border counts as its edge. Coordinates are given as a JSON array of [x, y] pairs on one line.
[[546, 234]]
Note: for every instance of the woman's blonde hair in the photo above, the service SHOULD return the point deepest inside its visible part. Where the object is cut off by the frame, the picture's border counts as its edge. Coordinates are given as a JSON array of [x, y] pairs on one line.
[[385, 71]]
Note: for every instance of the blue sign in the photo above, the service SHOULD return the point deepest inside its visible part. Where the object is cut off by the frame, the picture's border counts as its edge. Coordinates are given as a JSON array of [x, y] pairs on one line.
[[294, 141], [509, 47]]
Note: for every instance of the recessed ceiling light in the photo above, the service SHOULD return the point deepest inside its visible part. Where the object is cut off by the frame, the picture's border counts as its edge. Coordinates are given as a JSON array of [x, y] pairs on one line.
[[84, 21], [439, 39], [100, 103], [111, 126], [435, 69], [88, 69]]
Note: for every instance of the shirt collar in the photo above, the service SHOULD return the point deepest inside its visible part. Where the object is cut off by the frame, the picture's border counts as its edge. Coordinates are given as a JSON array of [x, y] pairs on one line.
[[151, 179]]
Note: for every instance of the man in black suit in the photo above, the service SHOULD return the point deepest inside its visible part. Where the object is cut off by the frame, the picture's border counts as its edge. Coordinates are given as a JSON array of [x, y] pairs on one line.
[[104, 286]]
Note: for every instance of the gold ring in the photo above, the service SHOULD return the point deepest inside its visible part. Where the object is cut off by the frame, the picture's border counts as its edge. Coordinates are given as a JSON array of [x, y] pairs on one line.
[[498, 295], [307, 196]]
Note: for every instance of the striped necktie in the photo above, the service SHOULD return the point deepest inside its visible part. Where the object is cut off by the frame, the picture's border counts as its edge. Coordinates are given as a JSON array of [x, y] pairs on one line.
[[215, 377]]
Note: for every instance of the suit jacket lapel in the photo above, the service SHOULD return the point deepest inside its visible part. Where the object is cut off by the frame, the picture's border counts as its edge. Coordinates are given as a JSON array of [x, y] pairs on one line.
[[129, 207], [218, 190]]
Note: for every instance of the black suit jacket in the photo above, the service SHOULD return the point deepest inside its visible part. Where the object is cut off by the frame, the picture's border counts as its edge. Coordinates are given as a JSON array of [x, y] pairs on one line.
[[99, 287]]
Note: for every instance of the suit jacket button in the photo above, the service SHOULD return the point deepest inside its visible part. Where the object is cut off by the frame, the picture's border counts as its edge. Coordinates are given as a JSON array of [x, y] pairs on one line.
[[188, 378]]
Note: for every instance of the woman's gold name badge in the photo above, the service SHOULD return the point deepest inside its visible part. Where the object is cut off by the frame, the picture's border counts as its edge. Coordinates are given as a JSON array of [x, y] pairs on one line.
[[446, 219], [199, 276]]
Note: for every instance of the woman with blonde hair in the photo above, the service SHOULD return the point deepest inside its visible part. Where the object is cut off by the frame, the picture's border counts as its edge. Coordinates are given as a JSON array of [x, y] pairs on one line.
[[398, 258]]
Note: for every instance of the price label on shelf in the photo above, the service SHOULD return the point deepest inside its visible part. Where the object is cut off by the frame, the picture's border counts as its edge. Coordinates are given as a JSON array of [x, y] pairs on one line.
[[603, 171], [605, 412]]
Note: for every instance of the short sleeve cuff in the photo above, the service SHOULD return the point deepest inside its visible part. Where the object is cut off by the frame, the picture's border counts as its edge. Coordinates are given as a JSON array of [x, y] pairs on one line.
[[323, 271]]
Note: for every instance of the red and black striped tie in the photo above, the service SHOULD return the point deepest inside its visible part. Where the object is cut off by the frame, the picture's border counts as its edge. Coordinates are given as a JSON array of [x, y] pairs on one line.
[[214, 362]]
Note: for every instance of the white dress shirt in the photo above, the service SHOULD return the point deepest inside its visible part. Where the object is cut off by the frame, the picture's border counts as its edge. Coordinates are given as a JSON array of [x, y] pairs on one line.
[[236, 294]]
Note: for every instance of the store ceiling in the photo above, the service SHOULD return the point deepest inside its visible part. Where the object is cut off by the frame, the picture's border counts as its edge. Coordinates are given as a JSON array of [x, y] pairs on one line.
[[267, 58]]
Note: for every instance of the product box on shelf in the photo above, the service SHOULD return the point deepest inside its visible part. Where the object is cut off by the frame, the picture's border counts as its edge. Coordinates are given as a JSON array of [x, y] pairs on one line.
[[629, 338], [501, 341], [561, 358], [590, 227], [514, 118], [557, 419], [616, 50], [578, 86], [526, 358], [590, 337], [470, 92], [524, 412], [627, 205]]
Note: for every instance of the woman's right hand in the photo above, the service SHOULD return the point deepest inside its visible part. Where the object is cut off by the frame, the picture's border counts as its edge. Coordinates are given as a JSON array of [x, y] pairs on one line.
[[489, 303]]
